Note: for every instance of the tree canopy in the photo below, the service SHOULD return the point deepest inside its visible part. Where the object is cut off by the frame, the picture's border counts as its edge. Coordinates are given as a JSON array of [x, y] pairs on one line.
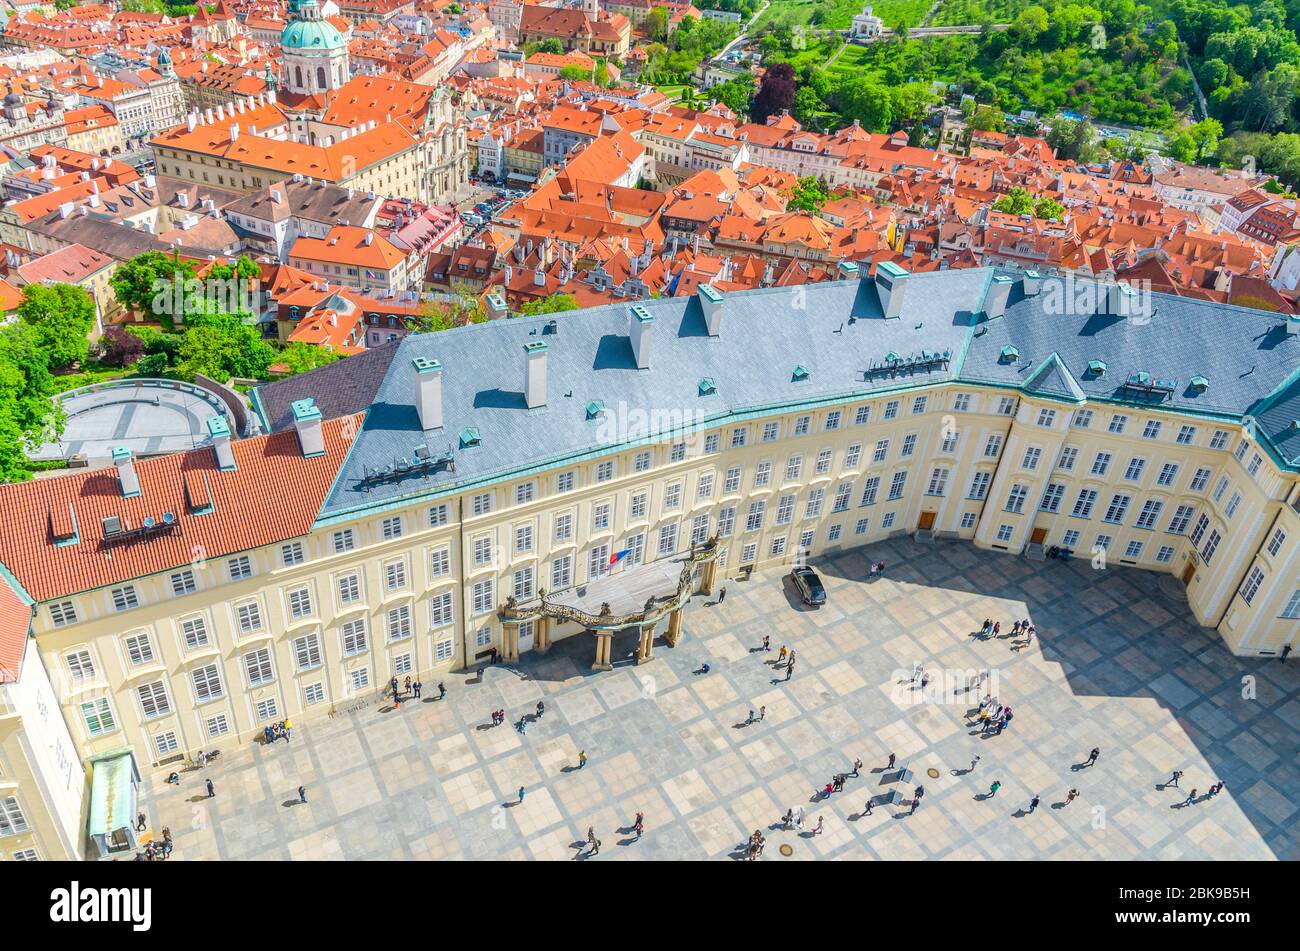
[[61, 317]]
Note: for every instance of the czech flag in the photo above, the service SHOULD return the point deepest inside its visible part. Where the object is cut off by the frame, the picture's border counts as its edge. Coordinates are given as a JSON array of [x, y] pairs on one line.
[[618, 556]]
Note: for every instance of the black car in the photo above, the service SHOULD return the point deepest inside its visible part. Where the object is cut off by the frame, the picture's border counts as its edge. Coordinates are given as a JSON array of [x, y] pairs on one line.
[[809, 586]]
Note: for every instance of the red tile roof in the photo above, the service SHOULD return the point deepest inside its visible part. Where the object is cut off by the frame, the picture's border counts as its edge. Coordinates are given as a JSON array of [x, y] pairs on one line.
[[273, 494], [15, 622]]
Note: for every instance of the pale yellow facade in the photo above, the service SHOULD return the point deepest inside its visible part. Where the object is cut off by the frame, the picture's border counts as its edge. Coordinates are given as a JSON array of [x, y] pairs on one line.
[[416, 589]]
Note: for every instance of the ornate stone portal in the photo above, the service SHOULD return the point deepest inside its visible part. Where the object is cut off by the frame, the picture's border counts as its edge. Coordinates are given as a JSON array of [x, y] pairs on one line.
[[604, 624]]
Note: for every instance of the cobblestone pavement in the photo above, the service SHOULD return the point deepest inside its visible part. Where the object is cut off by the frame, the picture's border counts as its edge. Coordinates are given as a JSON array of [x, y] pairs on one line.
[[1119, 664]]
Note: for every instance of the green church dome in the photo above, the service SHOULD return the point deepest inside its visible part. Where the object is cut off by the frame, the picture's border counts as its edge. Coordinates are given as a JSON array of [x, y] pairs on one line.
[[307, 31]]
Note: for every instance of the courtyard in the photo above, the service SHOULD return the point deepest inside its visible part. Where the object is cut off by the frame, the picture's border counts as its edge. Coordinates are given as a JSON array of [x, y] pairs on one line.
[[1118, 663]]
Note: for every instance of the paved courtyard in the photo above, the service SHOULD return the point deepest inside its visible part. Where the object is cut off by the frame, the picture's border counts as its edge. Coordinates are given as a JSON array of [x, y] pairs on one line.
[[1119, 664]]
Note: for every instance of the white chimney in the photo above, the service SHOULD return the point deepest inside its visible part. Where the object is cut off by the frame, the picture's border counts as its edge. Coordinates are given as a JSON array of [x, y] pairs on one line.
[[711, 306], [219, 430], [307, 421], [126, 477], [428, 392], [535, 374], [891, 283], [639, 324], [995, 298], [539, 278], [1031, 283], [496, 305], [234, 132]]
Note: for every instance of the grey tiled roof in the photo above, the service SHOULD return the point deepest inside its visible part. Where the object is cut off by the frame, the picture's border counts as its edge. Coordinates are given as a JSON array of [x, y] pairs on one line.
[[834, 330], [340, 389]]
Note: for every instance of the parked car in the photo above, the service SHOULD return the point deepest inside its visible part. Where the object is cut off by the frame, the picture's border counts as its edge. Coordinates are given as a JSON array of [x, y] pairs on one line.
[[809, 586]]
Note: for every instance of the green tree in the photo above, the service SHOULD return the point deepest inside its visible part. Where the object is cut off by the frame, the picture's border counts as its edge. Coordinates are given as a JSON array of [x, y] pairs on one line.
[[221, 345], [147, 279], [1205, 137], [988, 119], [554, 304], [462, 306], [574, 73], [300, 357], [28, 416], [61, 317], [809, 195], [1018, 201], [1030, 24], [656, 24], [1049, 208]]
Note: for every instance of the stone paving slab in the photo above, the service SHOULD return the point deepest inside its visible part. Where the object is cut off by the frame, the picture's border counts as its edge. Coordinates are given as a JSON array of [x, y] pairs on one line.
[[1117, 664]]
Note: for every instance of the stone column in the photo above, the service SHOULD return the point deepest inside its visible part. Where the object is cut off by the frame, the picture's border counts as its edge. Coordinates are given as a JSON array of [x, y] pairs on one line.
[[510, 641], [542, 635], [674, 633], [709, 577], [604, 641], [646, 652]]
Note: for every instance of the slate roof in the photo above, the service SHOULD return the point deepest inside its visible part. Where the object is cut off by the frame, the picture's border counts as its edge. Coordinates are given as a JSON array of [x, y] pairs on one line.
[[340, 389], [835, 330]]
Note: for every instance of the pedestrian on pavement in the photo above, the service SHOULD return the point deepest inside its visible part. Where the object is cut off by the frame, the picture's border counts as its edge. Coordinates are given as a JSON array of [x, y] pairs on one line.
[[789, 670], [522, 726], [762, 714], [780, 655], [1092, 755], [857, 767], [302, 793], [820, 826], [407, 686], [916, 804], [139, 822], [1173, 780], [1216, 788], [595, 847], [722, 594], [1191, 798], [591, 834], [997, 629], [212, 790], [788, 818], [866, 810], [993, 790], [417, 687], [767, 642], [521, 793], [392, 684], [582, 758], [1072, 795], [541, 708], [890, 764], [1033, 803], [830, 788], [750, 718], [973, 762], [442, 691]]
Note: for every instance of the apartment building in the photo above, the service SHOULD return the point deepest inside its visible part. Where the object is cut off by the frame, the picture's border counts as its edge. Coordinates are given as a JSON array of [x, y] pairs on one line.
[[404, 511]]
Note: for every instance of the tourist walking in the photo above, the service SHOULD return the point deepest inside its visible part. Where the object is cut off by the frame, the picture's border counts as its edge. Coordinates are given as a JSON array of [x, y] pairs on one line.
[[1173, 780], [1072, 795], [975, 760], [139, 822], [722, 594], [767, 642], [521, 793], [866, 809], [541, 708], [1191, 798], [212, 790], [789, 669], [820, 826], [442, 691], [582, 759], [762, 713], [993, 790], [780, 655], [857, 768], [1092, 756], [302, 793], [916, 799], [890, 764]]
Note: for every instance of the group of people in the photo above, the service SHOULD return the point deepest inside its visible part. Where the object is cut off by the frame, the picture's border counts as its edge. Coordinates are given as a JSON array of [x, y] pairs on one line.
[[1214, 790], [784, 657], [992, 715], [993, 629], [877, 568], [757, 842], [270, 733], [498, 717], [157, 851]]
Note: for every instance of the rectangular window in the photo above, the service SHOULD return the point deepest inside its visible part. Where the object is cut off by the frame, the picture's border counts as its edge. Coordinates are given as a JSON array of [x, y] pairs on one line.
[[968, 520], [778, 546], [183, 582], [523, 539], [300, 603], [484, 596], [1186, 435], [98, 716], [881, 450], [888, 520], [306, 651], [353, 634], [1182, 516], [63, 613], [862, 415], [1210, 546], [217, 725], [1275, 543], [897, 485], [641, 462], [437, 515], [1005, 532], [678, 452], [860, 528], [711, 444], [673, 495], [1150, 512], [843, 496], [1118, 422], [564, 526], [562, 573], [525, 492], [1101, 463], [1133, 550], [726, 521], [207, 683], [523, 582], [481, 503], [1219, 439], [869, 489], [1200, 479], [349, 589], [993, 446], [1069, 455], [754, 517], [700, 529], [1117, 509], [249, 617], [165, 744], [359, 679], [1031, 458], [565, 481], [918, 405], [813, 507], [1165, 554], [731, 483], [125, 598], [802, 425], [600, 517], [853, 455], [979, 485], [1016, 498], [344, 540], [938, 481], [292, 554], [1047, 418], [139, 650], [823, 464], [1198, 531], [1084, 503], [153, 700], [1070, 539], [391, 527], [1134, 471], [832, 421], [667, 539], [738, 436], [1250, 587], [1151, 430], [1168, 472], [1082, 418], [961, 402], [439, 562], [239, 567], [1292, 609], [704, 486], [834, 532], [1052, 497], [194, 630], [398, 622], [793, 467], [440, 610], [266, 710], [771, 431], [597, 561], [891, 409], [1006, 405], [257, 665]]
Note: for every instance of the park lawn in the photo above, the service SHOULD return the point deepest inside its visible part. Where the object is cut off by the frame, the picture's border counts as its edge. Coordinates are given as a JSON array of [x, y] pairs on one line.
[[89, 373]]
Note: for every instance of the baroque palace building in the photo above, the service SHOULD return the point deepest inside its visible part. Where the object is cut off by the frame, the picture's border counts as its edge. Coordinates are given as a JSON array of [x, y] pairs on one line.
[[409, 506]]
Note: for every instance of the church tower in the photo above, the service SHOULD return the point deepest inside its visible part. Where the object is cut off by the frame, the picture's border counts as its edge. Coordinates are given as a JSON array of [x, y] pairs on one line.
[[314, 52]]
